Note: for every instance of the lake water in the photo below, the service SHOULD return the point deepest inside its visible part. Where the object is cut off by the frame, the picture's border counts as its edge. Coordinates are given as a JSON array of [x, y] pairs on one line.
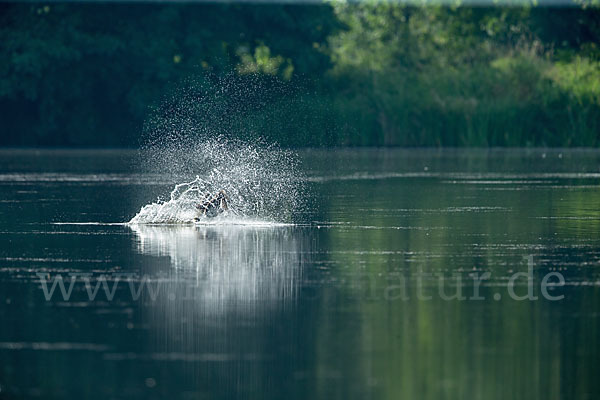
[[397, 283]]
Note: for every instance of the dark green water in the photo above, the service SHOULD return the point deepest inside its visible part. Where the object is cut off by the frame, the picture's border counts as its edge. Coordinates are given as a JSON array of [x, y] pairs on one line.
[[351, 302]]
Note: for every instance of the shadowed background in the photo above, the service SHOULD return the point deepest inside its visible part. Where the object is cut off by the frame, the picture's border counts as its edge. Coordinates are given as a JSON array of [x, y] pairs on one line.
[[378, 74]]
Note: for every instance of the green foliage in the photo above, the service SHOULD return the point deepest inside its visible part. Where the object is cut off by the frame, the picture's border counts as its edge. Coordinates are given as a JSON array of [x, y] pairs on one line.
[[580, 78], [436, 76], [90, 74], [356, 74], [262, 62]]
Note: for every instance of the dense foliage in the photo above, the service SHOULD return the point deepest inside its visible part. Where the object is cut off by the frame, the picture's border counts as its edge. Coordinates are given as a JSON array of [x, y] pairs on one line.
[[326, 74]]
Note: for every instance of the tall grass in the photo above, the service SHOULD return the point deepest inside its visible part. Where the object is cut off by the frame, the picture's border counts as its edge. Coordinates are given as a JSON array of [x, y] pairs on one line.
[[515, 100]]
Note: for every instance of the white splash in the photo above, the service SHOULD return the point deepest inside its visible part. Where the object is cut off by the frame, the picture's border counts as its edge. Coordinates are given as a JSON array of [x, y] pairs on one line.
[[262, 183], [180, 208], [231, 264]]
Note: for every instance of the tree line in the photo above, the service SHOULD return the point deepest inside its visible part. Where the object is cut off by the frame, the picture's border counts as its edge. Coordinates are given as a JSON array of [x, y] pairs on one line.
[[333, 74]]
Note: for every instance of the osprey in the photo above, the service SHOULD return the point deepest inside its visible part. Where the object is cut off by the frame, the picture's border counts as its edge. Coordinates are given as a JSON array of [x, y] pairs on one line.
[[212, 206]]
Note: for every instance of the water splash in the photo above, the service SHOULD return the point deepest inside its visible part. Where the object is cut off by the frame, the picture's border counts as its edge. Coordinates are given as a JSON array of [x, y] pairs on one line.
[[262, 183], [205, 138]]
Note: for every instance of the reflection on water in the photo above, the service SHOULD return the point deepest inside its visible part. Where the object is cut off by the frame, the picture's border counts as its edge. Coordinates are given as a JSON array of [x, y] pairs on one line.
[[222, 292], [228, 264], [312, 311]]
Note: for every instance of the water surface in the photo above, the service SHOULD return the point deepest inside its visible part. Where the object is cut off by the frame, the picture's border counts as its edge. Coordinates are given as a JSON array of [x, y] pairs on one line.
[[357, 299]]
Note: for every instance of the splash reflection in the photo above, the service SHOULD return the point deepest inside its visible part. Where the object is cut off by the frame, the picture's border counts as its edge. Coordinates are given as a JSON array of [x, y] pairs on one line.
[[222, 266], [226, 294]]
